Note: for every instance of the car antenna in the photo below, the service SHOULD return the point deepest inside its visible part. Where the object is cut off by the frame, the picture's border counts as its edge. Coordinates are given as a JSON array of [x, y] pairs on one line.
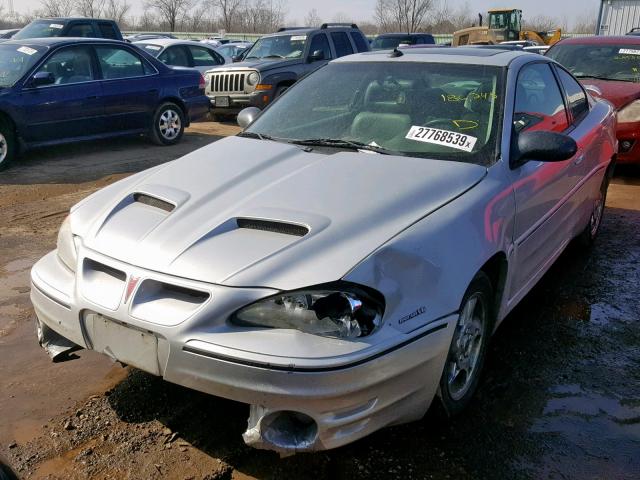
[[396, 53]]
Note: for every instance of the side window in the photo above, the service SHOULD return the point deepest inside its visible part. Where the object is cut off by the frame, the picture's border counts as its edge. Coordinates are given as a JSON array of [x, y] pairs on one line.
[[203, 57], [321, 42], [176, 56], [81, 30], [361, 42], [107, 30], [342, 44], [71, 65], [577, 99], [117, 62], [539, 103]]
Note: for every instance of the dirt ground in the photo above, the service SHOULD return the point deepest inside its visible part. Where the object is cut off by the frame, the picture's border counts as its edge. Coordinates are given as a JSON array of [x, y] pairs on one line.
[[560, 397]]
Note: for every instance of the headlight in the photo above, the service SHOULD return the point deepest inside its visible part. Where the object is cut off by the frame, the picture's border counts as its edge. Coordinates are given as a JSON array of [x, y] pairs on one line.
[[630, 113], [67, 250], [253, 79], [348, 313]]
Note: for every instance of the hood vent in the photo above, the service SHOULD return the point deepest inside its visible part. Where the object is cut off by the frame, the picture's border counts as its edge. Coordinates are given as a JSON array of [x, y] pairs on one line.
[[273, 226], [153, 202]]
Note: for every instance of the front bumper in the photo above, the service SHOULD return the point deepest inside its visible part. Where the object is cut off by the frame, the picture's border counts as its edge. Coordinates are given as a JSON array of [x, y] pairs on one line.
[[346, 396], [628, 143], [238, 102]]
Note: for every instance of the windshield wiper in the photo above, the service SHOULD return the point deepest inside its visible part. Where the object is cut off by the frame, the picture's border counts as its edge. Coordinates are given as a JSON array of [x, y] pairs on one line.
[[595, 77], [259, 136], [348, 144]]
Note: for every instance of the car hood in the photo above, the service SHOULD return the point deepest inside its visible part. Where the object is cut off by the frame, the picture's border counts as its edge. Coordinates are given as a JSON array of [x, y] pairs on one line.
[[256, 213], [618, 93], [260, 64]]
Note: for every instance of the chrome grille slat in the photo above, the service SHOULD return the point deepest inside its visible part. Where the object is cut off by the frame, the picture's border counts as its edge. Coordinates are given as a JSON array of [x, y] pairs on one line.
[[228, 82]]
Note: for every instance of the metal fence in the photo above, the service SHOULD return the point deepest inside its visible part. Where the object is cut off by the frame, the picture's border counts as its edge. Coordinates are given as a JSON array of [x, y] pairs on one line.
[[252, 37]]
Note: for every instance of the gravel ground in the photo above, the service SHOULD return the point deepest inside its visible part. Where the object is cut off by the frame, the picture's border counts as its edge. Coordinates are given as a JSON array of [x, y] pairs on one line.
[[560, 397]]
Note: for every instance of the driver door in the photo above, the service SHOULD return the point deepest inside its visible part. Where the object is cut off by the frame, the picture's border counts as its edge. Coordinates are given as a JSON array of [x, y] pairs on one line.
[[543, 190], [70, 107]]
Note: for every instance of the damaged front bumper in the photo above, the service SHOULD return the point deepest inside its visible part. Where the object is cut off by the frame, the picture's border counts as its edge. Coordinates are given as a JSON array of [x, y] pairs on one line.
[[298, 403]]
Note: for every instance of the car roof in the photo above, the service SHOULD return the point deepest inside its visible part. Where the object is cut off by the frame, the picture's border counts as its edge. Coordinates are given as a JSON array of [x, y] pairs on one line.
[[168, 42], [459, 55], [309, 30], [54, 41], [602, 40], [392, 35], [68, 19]]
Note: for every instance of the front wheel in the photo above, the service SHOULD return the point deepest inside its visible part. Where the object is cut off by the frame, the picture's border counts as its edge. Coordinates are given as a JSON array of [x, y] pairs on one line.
[[168, 124], [7, 145], [468, 348], [590, 232]]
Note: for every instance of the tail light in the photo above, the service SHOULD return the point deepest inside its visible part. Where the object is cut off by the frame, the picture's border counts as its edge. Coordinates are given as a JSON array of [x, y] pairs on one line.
[[202, 83]]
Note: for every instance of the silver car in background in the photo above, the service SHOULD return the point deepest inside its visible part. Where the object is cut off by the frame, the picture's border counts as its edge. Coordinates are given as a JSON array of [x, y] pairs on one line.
[[344, 260], [183, 53], [231, 50]]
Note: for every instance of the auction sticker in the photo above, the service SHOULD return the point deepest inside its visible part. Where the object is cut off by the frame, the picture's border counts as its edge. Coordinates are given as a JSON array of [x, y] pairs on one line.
[[27, 50], [298, 38], [629, 51], [57, 26], [445, 138]]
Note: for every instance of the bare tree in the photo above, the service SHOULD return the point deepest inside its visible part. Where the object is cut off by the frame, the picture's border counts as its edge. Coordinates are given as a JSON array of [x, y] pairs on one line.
[[585, 22], [341, 17], [260, 16], [116, 10], [541, 23], [229, 11], [88, 8], [402, 15], [196, 20], [170, 11], [447, 20], [56, 8], [312, 19]]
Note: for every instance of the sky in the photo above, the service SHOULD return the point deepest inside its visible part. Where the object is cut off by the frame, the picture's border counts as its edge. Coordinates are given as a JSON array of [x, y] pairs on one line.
[[363, 9]]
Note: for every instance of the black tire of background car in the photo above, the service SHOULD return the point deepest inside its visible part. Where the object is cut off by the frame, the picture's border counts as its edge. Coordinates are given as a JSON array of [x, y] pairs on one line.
[[481, 285], [156, 135], [9, 137], [281, 90], [587, 238]]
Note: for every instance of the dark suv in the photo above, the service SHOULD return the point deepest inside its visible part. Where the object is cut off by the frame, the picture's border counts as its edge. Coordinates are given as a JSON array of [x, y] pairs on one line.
[[70, 27], [277, 61], [389, 41]]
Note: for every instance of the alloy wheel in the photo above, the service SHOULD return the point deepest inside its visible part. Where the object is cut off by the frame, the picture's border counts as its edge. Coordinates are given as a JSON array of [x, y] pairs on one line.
[[462, 364], [170, 124], [4, 148], [596, 214]]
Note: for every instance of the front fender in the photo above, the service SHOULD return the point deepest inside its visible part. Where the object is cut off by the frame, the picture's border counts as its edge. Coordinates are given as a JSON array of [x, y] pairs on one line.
[[424, 271]]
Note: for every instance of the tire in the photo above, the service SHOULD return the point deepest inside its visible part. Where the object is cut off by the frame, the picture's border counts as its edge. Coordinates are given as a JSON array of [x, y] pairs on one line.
[[468, 347], [588, 236], [168, 124], [7, 145], [280, 91]]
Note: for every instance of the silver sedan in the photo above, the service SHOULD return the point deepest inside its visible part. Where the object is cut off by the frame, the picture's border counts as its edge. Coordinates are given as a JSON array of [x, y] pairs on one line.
[[183, 53], [345, 260]]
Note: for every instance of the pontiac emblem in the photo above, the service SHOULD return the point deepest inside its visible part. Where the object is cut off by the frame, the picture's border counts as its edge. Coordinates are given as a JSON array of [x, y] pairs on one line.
[[131, 286]]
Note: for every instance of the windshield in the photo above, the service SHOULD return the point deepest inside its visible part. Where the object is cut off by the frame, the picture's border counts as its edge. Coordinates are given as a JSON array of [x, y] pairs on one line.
[[150, 48], [389, 43], [441, 111], [608, 62], [280, 46], [40, 29], [16, 60]]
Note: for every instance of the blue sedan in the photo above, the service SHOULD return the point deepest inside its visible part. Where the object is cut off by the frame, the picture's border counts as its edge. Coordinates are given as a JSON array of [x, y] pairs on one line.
[[58, 90]]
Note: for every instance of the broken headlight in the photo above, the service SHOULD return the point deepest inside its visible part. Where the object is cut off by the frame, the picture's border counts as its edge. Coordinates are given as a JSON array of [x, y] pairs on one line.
[[348, 313], [67, 249]]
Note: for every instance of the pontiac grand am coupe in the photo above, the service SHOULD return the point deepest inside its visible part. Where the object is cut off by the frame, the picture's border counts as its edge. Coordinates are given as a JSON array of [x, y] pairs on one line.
[[345, 259]]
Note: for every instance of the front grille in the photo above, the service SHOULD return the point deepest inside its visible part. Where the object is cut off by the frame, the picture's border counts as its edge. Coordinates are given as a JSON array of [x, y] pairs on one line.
[[228, 82]]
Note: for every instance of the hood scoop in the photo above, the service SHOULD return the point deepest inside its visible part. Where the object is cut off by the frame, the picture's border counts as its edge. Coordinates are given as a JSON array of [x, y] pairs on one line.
[[153, 202], [273, 226]]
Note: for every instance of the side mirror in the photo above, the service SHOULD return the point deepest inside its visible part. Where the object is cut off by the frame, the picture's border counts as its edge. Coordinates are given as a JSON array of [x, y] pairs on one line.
[[543, 146], [236, 58], [247, 116], [316, 56], [43, 78]]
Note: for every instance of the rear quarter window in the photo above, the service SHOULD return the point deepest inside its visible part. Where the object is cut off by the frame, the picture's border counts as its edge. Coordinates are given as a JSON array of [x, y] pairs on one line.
[[576, 97], [361, 43], [108, 31]]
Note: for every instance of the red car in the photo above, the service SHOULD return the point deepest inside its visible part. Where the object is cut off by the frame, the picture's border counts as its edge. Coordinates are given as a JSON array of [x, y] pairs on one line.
[[609, 67]]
